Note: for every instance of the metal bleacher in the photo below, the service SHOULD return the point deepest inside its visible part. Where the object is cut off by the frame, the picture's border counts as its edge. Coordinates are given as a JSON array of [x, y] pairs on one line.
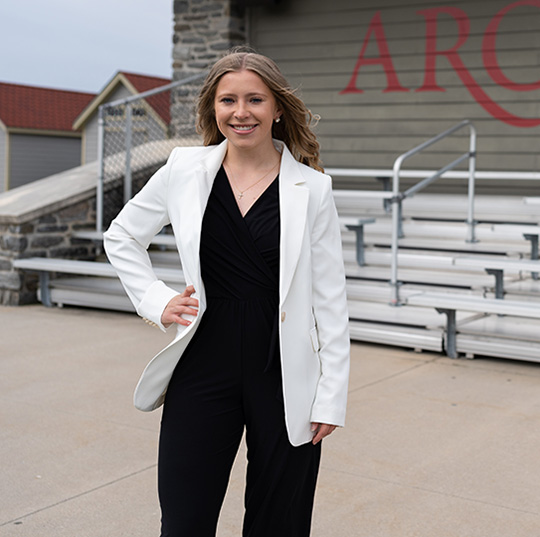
[[431, 260], [435, 261]]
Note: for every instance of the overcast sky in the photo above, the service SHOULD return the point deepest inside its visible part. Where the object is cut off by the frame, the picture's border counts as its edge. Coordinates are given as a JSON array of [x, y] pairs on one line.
[[80, 44]]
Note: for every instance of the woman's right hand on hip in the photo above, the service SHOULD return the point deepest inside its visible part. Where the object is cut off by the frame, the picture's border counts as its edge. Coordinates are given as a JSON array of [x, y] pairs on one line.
[[180, 305]]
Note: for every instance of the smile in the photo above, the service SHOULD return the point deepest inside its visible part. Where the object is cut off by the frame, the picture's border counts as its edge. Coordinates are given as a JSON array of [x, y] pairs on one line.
[[243, 128]]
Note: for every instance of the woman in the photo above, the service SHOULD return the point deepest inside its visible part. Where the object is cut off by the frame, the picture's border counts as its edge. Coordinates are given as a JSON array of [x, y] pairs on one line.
[[262, 327]]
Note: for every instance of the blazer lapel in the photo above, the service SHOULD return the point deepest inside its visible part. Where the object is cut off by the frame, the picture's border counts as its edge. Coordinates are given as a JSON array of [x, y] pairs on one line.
[[193, 204], [294, 196]]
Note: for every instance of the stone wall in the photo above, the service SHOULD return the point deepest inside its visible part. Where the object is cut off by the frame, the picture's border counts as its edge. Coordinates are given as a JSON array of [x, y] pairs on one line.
[[46, 236], [204, 30]]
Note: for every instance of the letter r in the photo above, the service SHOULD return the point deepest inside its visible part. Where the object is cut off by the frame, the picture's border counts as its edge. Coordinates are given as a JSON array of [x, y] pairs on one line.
[[430, 83]]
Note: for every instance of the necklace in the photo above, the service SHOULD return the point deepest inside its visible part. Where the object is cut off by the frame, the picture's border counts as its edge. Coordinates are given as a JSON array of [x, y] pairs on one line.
[[241, 192]]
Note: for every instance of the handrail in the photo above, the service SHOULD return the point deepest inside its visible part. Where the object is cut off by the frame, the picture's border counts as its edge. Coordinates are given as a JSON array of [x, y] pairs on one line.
[[127, 101], [398, 196], [160, 89]]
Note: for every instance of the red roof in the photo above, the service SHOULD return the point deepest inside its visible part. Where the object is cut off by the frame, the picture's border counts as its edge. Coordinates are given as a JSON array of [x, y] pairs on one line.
[[31, 107], [161, 102]]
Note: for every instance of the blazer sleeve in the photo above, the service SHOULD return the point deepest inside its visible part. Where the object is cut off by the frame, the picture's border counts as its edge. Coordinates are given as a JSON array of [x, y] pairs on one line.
[[331, 313], [126, 243]]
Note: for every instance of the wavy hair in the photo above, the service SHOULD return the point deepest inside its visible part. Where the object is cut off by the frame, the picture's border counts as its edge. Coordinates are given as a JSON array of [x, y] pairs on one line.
[[295, 127]]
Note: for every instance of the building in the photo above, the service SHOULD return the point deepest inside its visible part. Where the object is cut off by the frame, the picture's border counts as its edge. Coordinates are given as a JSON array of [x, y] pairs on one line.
[[36, 134], [45, 131], [385, 76], [153, 116]]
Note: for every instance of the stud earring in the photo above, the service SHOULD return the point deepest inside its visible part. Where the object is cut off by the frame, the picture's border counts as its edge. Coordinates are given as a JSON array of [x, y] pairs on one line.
[[277, 120]]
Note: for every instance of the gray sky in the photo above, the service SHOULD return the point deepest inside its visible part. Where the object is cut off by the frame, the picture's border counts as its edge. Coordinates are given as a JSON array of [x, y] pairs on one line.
[[80, 44]]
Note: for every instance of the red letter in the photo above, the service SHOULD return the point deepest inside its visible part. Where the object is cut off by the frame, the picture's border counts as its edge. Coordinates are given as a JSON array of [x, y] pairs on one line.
[[384, 59], [481, 97], [489, 55], [430, 84]]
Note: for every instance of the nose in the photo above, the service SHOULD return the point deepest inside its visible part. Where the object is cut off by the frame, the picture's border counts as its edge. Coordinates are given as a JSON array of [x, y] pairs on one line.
[[241, 111]]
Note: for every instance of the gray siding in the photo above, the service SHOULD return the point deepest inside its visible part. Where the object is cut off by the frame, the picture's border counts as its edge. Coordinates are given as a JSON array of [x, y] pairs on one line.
[[3, 142], [35, 157], [145, 130], [91, 126], [317, 45], [90, 139]]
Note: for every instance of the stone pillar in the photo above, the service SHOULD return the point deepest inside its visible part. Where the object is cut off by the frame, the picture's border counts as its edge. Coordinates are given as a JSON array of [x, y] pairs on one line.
[[203, 31]]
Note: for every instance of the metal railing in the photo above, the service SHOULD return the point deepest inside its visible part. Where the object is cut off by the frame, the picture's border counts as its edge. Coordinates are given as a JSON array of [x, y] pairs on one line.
[[135, 137], [398, 196], [394, 199]]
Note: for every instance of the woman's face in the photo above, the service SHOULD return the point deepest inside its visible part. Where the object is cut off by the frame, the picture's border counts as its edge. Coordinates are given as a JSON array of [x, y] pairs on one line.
[[245, 110]]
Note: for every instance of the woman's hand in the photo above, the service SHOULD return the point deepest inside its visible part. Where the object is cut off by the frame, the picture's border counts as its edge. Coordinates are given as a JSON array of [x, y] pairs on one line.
[[320, 430], [178, 305]]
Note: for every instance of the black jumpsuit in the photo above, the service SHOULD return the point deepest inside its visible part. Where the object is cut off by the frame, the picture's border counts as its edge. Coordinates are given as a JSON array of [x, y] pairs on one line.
[[228, 378]]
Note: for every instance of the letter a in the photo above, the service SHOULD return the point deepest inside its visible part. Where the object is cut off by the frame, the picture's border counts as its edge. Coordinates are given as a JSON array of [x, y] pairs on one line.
[[384, 59]]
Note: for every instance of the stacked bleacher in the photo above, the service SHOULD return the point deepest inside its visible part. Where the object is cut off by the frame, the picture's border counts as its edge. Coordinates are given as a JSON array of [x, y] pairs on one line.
[[480, 298], [490, 286]]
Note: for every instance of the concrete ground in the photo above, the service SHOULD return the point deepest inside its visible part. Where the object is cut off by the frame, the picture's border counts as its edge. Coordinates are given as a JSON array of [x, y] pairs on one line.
[[432, 448]]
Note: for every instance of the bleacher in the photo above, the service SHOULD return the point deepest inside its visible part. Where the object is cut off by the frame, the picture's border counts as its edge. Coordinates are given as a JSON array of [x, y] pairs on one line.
[[480, 298]]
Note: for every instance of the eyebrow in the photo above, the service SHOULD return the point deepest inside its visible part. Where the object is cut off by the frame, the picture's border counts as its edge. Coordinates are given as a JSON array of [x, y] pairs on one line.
[[254, 94]]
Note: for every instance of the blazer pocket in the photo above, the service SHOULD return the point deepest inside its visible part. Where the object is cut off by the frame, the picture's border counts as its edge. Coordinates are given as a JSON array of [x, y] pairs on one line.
[[314, 339]]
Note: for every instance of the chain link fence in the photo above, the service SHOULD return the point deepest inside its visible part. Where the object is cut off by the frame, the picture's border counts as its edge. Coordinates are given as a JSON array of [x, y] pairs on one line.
[[135, 137]]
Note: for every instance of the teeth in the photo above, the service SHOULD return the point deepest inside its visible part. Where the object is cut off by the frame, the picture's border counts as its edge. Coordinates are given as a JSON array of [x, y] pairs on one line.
[[243, 127]]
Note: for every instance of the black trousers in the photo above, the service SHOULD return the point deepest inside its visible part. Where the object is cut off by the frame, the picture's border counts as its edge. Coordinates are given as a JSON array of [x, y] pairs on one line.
[[223, 385]]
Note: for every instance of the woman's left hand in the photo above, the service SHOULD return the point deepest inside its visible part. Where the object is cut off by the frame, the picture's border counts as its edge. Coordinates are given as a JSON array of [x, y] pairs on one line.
[[321, 430]]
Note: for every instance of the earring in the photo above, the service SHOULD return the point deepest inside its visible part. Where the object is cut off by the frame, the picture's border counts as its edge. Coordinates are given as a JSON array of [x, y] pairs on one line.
[[277, 120]]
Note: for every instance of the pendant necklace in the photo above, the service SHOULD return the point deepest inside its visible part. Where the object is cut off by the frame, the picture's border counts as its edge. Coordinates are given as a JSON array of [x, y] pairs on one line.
[[241, 192]]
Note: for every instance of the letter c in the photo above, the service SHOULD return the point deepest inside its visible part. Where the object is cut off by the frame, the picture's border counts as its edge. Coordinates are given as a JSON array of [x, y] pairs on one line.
[[489, 56]]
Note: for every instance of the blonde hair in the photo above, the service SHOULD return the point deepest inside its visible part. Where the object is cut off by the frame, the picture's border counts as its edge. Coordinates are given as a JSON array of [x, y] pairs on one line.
[[294, 129]]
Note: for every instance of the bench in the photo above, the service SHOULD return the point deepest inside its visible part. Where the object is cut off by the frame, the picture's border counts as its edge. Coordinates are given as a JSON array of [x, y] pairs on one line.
[[44, 266], [496, 267], [493, 265], [405, 259], [450, 303], [162, 239]]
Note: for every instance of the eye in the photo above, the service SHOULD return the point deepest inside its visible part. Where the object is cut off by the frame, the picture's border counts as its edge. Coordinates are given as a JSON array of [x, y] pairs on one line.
[[226, 100], [256, 100]]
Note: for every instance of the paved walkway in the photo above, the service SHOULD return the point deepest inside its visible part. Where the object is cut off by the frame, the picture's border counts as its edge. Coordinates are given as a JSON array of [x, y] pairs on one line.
[[432, 448]]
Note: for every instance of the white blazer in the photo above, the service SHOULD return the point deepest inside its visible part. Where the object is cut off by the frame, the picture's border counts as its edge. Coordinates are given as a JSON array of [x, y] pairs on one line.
[[313, 332]]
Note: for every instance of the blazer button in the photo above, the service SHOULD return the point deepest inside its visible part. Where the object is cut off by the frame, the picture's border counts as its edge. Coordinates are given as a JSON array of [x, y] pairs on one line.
[[283, 315]]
